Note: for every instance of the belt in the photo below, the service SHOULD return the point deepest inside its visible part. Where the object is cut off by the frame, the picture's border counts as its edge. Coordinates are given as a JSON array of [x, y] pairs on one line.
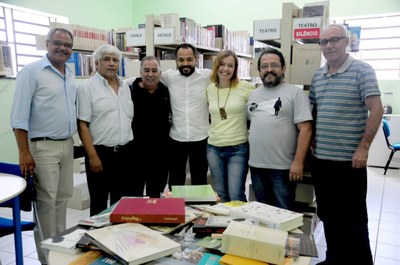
[[115, 149], [46, 139]]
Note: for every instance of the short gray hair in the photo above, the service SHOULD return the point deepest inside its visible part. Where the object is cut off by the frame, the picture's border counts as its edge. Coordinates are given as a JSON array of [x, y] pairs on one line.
[[52, 31], [151, 58], [338, 26], [106, 49]]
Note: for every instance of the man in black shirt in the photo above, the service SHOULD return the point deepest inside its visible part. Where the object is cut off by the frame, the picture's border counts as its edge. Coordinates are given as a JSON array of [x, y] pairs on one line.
[[150, 125]]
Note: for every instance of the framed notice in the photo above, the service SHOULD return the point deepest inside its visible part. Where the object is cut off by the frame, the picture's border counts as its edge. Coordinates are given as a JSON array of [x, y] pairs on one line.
[[307, 28]]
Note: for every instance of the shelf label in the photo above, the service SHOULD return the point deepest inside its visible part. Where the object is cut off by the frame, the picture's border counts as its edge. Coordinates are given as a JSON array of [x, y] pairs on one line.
[[164, 36], [307, 28], [135, 37], [268, 29]]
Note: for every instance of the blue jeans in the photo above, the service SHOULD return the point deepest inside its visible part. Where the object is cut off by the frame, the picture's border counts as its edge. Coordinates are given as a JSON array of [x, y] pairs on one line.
[[272, 186], [229, 167]]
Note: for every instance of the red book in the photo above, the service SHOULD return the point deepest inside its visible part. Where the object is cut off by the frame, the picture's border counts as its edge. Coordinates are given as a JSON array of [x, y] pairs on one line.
[[149, 210]]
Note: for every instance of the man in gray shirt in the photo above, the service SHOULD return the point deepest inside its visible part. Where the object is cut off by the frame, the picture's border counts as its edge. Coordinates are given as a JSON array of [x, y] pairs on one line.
[[280, 133]]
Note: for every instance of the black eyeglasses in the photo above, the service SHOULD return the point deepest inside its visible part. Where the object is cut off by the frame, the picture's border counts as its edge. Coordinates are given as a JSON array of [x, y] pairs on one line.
[[273, 66], [61, 43], [332, 40]]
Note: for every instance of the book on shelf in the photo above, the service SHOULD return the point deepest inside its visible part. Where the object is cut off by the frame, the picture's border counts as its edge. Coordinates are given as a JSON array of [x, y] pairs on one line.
[[270, 216], [254, 242], [94, 257], [149, 210], [195, 193], [133, 243], [66, 241]]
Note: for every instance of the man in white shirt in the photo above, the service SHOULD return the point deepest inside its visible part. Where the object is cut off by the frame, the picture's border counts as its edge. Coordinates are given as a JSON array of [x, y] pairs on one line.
[[189, 129], [105, 112]]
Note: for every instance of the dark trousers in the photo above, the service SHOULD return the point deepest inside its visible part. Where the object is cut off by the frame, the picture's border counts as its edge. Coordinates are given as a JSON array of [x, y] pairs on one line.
[[115, 180], [197, 154], [341, 193], [151, 169]]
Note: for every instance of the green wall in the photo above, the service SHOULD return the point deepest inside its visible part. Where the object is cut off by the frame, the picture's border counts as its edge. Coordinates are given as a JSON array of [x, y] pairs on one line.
[[103, 14], [234, 14]]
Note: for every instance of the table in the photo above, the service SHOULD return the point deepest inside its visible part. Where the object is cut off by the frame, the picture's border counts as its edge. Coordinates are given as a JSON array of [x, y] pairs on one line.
[[10, 187], [59, 258]]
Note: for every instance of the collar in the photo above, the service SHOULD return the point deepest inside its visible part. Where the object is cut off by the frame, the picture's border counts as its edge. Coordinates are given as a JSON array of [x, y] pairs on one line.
[[46, 63], [105, 81], [341, 69]]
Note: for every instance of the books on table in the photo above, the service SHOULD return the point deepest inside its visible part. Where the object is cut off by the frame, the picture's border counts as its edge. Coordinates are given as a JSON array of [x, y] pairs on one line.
[[254, 242], [270, 216], [133, 243], [195, 193], [149, 210], [66, 241], [205, 226]]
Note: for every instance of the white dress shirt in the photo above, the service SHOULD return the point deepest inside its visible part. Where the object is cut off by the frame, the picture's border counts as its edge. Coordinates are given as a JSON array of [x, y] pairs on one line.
[[188, 103], [110, 115]]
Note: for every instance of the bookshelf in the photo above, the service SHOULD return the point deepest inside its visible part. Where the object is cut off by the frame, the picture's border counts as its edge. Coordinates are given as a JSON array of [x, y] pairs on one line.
[[296, 34], [162, 33], [86, 40]]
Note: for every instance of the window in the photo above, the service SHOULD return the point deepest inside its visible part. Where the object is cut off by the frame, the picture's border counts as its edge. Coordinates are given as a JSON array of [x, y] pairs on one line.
[[19, 28], [379, 43]]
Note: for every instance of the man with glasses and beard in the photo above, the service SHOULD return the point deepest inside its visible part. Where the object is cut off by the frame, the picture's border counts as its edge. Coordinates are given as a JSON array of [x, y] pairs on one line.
[[190, 118], [279, 138]]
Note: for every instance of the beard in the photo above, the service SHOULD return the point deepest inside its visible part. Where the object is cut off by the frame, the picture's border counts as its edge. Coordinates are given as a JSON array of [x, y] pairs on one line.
[[272, 82], [186, 70]]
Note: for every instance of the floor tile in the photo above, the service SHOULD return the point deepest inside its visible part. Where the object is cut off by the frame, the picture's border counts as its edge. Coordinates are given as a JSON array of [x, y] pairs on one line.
[[388, 251]]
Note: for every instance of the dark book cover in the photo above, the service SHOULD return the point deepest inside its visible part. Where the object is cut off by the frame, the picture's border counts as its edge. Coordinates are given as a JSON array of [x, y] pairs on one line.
[[201, 229]]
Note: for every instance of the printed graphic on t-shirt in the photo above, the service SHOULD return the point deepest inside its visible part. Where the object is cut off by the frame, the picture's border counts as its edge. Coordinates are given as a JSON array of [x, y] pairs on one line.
[[270, 106]]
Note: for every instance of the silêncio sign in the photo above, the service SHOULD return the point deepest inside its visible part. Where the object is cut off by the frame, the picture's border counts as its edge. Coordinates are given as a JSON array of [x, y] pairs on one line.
[[307, 28]]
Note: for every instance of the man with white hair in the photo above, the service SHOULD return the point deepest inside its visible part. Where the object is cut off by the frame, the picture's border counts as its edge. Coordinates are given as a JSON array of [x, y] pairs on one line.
[[105, 112]]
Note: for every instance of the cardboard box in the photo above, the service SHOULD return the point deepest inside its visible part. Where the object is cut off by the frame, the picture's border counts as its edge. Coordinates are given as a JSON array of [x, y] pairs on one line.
[[306, 61]]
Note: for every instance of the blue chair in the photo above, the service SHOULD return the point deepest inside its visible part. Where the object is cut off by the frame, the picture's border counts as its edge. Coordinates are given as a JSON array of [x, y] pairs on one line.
[[393, 147], [10, 226]]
